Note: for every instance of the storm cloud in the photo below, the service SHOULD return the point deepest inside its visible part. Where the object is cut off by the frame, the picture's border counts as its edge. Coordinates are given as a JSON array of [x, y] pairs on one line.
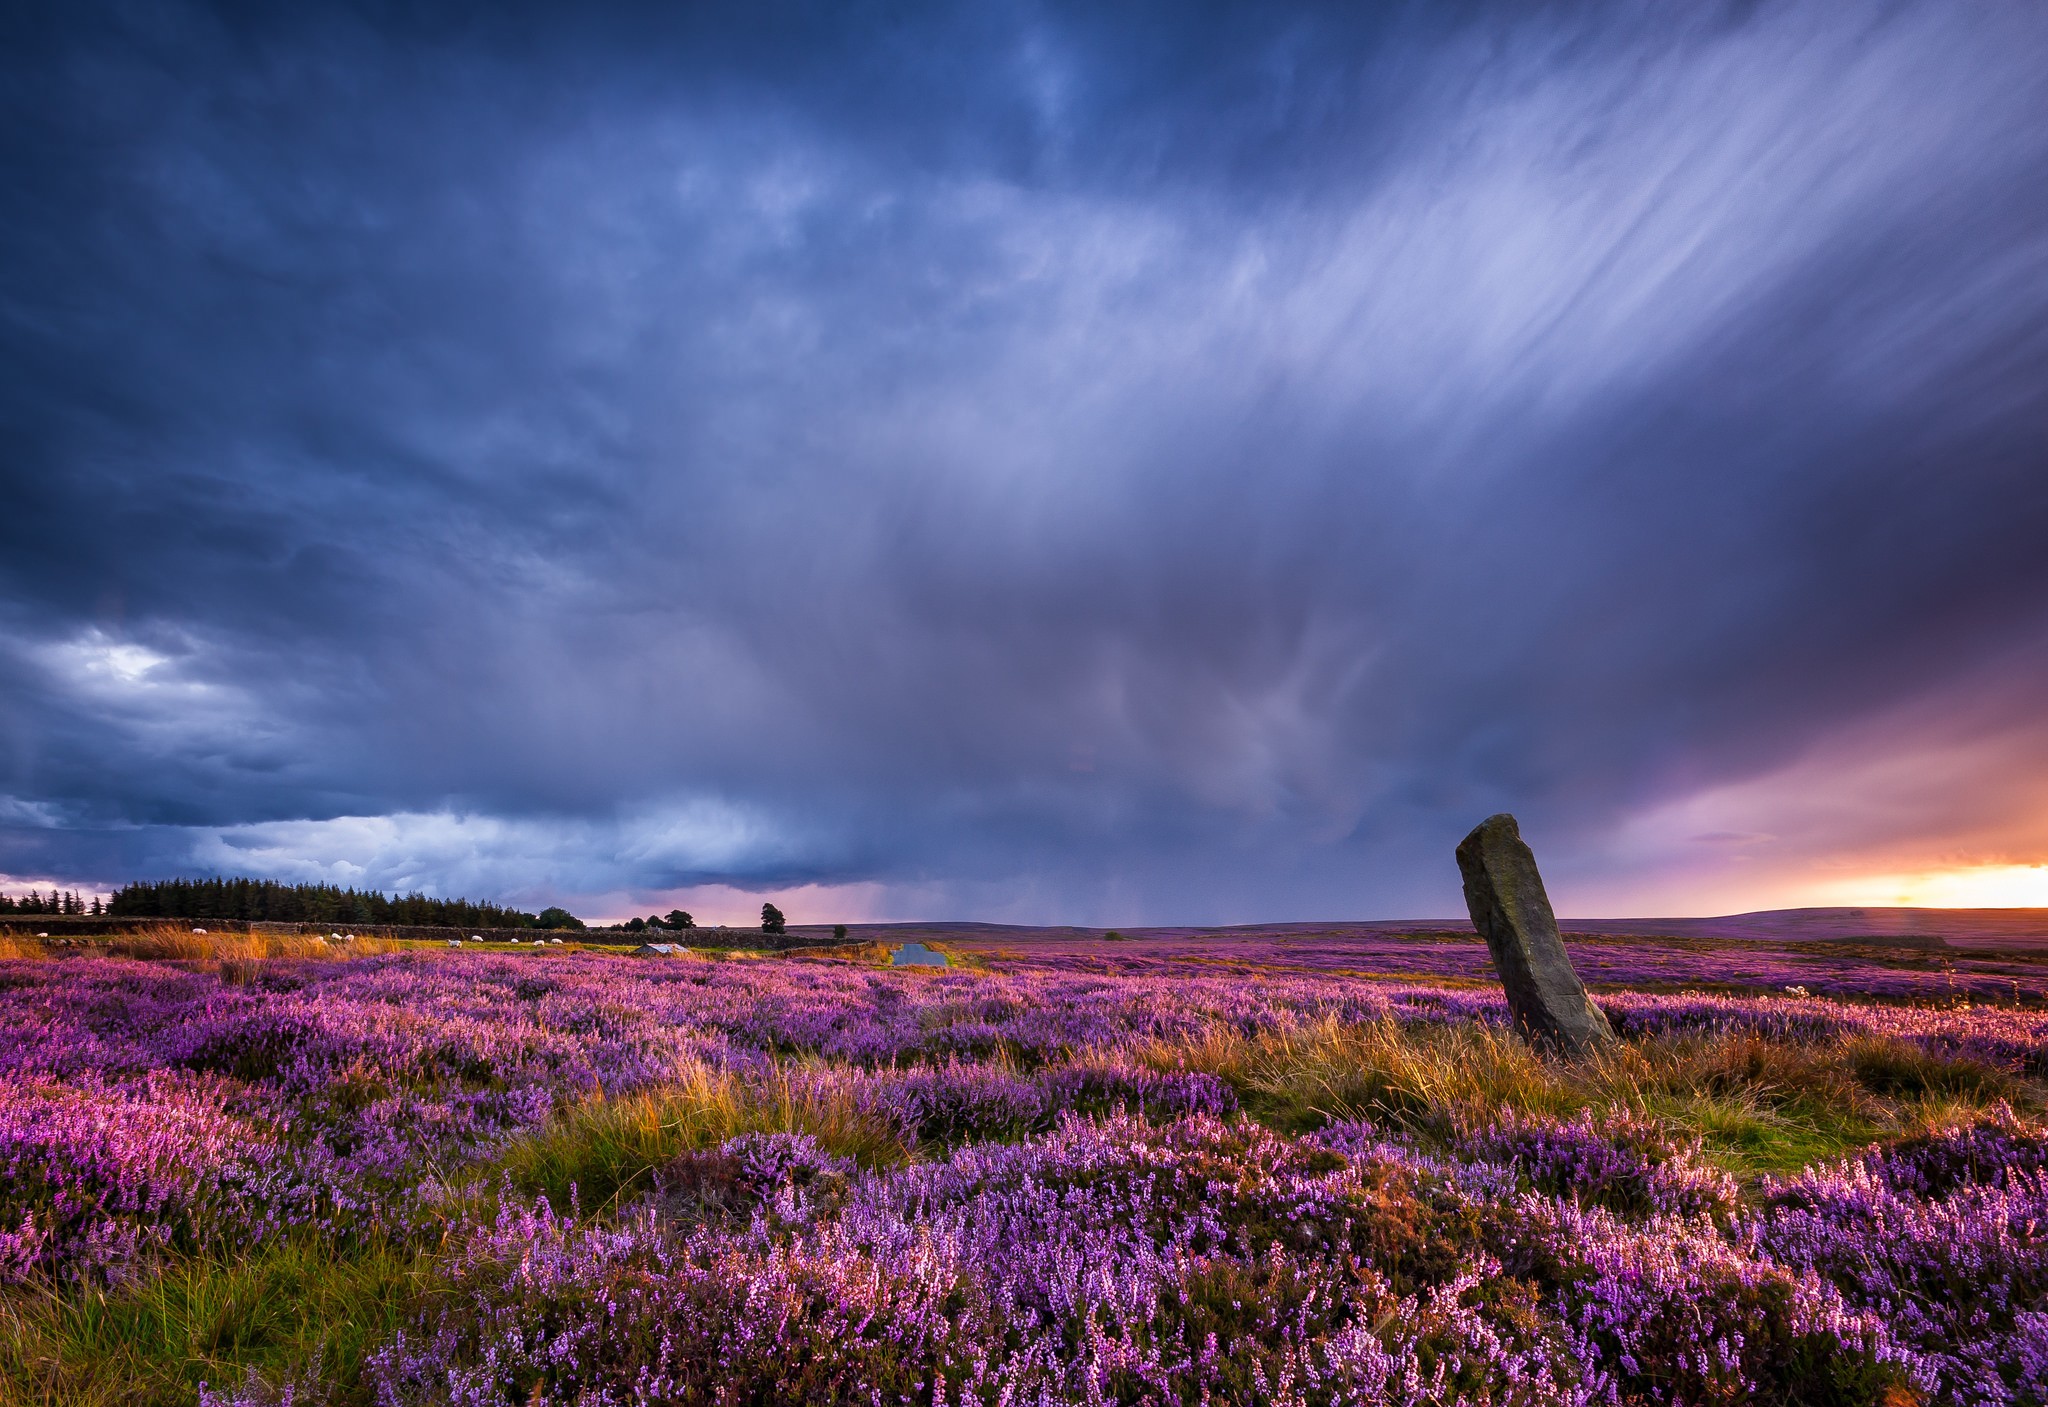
[[1073, 463]]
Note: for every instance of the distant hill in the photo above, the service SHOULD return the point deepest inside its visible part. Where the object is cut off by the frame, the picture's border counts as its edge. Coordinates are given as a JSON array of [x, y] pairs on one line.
[[2017, 928], [1961, 927]]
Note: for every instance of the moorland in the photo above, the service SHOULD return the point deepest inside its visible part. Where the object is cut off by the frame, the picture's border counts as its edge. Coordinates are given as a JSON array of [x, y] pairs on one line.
[[1292, 1166]]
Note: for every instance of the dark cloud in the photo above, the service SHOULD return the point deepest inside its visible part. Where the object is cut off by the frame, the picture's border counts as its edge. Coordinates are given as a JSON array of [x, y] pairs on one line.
[[1073, 462]]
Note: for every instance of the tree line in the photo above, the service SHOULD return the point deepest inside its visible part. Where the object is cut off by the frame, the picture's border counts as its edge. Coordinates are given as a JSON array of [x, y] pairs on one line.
[[37, 902], [267, 901]]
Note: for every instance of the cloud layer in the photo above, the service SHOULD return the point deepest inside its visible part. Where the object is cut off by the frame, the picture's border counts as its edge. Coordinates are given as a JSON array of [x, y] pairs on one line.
[[1025, 461]]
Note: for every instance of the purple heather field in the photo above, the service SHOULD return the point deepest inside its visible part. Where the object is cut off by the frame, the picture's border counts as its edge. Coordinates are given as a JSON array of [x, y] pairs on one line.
[[2014, 972], [1057, 1174]]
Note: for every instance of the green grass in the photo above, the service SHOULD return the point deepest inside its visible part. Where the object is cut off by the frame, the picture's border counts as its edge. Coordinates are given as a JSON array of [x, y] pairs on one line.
[[296, 1310]]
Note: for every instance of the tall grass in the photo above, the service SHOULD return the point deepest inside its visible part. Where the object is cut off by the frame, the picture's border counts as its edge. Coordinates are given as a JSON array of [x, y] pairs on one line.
[[607, 1148], [297, 1311], [238, 957], [871, 954], [1758, 1105], [183, 943]]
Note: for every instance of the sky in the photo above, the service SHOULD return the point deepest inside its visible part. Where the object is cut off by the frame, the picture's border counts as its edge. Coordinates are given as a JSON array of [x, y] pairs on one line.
[[1044, 463]]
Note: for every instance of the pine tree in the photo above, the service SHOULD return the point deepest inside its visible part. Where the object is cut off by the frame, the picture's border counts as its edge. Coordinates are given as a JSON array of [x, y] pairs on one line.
[[267, 899]]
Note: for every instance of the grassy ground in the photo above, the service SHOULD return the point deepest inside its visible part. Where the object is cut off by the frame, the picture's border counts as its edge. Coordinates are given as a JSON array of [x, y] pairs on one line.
[[303, 1309], [306, 1309], [172, 943], [1758, 1105]]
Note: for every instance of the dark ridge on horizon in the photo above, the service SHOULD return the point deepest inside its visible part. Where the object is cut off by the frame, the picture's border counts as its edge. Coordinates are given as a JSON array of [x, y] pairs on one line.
[[1835, 924]]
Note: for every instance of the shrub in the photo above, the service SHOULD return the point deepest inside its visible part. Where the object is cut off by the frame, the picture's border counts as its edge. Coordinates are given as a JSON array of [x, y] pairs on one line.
[[1946, 1245], [1615, 1159]]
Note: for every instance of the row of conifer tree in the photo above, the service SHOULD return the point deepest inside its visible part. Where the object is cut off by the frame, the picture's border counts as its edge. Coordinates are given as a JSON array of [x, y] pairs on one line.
[[267, 901], [55, 902]]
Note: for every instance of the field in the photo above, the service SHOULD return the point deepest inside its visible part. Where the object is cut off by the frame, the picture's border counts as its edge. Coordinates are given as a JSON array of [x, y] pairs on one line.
[[1285, 1167]]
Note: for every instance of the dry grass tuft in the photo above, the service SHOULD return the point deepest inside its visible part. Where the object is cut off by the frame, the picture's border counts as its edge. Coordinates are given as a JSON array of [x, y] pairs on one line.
[[868, 954], [237, 953], [607, 1148], [1757, 1104]]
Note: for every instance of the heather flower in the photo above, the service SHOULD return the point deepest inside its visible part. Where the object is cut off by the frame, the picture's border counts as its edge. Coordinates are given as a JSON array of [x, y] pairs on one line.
[[1668, 1310], [955, 1103], [94, 1179], [1936, 1164], [785, 1176], [1958, 1278], [1613, 1158], [1108, 1260]]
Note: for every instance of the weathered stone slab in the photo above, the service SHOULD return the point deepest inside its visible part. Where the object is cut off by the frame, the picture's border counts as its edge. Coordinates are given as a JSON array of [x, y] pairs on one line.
[[1505, 895]]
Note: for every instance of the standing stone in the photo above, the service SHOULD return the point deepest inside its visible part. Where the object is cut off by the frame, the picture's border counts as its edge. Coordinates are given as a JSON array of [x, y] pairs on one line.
[[1505, 895]]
